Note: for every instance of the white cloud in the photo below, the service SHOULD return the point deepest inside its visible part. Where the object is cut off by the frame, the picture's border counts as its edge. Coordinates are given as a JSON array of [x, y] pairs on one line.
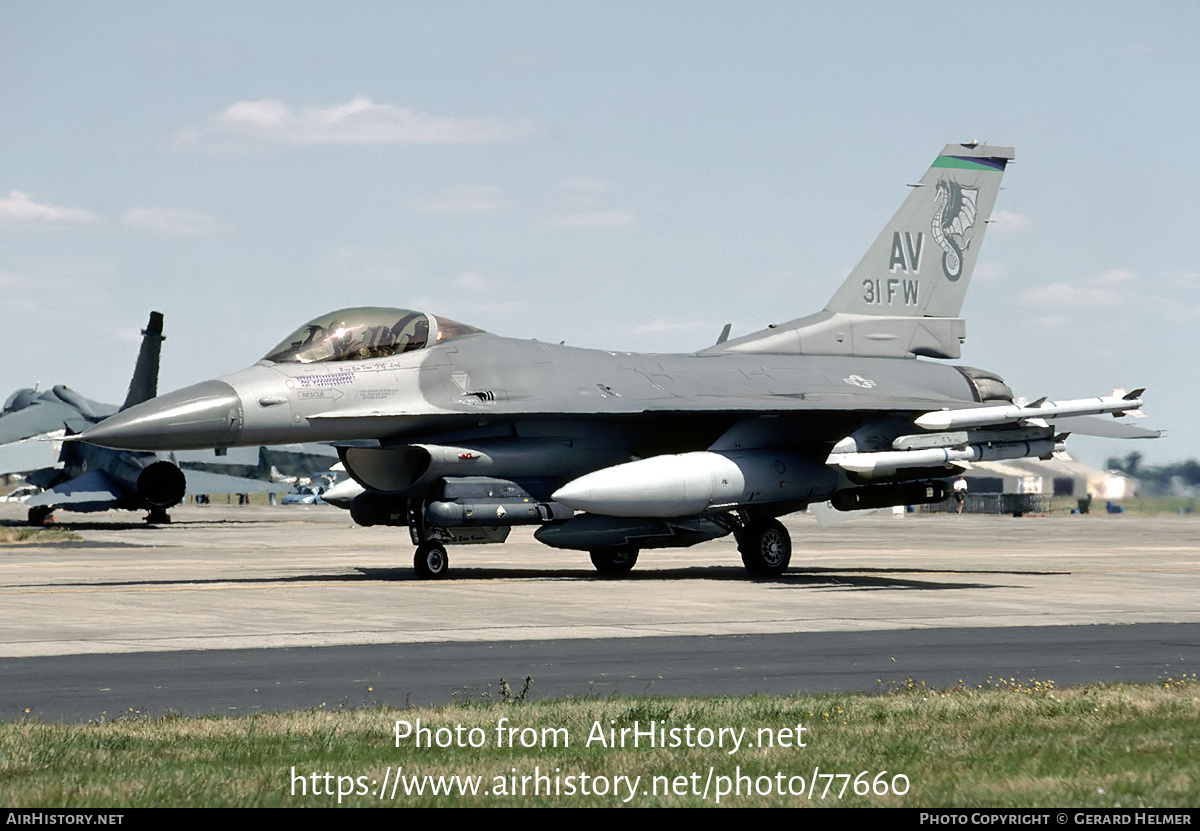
[[586, 185], [990, 272], [472, 281], [364, 266], [1107, 289], [1072, 295], [10, 280], [1114, 277], [1051, 323], [172, 221], [1179, 297], [462, 200], [582, 195], [357, 122], [18, 206], [594, 219]]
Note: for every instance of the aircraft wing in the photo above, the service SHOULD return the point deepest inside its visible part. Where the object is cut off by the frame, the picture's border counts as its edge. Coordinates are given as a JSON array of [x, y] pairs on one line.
[[801, 402], [200, 481], [305, 449], [40, 419], [95, 491], [232, 456], [248, 455], [28, 454]]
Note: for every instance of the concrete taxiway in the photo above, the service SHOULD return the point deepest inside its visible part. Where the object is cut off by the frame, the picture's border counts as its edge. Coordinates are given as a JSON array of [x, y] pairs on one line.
[[243, 580], [228, 577]]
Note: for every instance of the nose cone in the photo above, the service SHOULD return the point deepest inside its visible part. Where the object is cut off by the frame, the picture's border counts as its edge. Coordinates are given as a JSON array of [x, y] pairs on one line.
[[203, 415]]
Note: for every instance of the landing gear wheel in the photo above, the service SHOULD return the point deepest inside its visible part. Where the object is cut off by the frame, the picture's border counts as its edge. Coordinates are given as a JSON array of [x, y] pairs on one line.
[[39, 515], [158, 516], [431, 560], [766, 548], [614, 561]]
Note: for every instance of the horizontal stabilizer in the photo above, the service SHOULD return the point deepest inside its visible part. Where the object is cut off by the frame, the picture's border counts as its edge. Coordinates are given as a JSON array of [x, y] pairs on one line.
[[1105, 428], [92, 488]]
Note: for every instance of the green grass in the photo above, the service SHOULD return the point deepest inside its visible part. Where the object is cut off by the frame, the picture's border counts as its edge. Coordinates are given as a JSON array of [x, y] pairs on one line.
[[1153, 505], [1146, 506], [13, 535], [1010, 744]]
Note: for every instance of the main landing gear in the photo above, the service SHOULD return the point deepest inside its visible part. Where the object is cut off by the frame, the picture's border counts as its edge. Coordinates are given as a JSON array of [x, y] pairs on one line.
[[158, 516], [766, 547], [614, 561], [431, 560]]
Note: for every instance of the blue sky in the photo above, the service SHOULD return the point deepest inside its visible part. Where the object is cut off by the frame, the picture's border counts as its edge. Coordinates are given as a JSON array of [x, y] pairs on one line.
[[627, 175]]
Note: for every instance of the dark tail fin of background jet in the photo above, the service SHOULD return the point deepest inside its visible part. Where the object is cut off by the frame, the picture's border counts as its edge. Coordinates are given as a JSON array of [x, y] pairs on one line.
[[144, 385], [905, 296]]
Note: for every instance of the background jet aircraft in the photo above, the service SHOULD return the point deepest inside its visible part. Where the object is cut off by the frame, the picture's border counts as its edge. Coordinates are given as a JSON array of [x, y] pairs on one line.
[[83, 477], [30, 415], [460, 434]]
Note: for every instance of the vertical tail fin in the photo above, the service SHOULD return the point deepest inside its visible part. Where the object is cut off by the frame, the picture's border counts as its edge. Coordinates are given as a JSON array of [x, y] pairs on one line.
[[904, 297], [144, 384], [922, 262]]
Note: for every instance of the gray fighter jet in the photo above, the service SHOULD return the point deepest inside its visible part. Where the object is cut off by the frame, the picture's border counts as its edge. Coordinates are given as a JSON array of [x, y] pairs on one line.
[[82, 477], [460, 434]]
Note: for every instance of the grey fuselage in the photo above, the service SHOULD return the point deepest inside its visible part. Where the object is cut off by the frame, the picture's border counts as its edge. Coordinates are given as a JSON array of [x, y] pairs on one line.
[[481, 387]]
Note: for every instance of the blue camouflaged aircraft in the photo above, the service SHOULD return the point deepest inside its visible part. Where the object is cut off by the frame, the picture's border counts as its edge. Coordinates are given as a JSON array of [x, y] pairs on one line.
[[35, 428]]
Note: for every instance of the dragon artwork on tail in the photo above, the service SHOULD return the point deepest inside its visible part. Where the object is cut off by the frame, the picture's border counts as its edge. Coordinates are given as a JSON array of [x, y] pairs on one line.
[[954, 217]]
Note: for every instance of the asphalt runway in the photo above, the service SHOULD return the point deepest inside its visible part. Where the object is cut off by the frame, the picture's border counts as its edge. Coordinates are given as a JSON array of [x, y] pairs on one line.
[[236, 610]]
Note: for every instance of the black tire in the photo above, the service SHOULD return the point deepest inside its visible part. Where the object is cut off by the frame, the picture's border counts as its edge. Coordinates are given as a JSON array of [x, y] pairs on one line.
[[614, 561], [431, 560], [38, 515], [766, 548]]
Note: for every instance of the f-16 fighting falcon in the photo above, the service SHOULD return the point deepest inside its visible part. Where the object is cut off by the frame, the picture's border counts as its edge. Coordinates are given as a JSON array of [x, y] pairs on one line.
[[460, 434]]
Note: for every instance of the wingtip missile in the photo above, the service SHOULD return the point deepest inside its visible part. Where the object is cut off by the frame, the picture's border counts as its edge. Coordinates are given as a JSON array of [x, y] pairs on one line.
[[1117, 405]]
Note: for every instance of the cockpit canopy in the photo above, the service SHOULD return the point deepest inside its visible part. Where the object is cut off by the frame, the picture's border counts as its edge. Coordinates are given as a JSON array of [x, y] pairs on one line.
[[363, 333], [20, 399], [57, 395]]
